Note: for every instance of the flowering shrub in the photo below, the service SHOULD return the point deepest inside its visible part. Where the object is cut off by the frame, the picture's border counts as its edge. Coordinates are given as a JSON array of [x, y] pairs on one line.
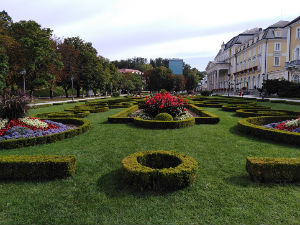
[[14, 104], [289, 125], [28, 127], [164, 103]]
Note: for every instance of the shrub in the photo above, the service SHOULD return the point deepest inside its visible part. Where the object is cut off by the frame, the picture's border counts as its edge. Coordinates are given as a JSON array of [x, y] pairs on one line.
[[163, 117], [205, 93], [273, 169], [156, 124], [28, 167], [14, 104], [115, 94], [159, 170]]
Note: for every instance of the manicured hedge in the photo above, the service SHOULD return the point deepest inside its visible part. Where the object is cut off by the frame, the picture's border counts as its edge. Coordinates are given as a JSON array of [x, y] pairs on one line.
[[158, 124], [233, 107], [260, 112], [204, 117], [273, 169], [159, 170], [28, 167], [254, 126], [122, 117], [58, 103], [83, 126]]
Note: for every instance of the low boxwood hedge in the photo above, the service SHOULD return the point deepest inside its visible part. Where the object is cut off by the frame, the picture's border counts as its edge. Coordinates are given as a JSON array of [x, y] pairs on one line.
[[158, 124], [259, 112], [233, 107], [273, 169], [204, 117], [254, 126], [122, 117], [28, 167], [159, 170], [83, 126]]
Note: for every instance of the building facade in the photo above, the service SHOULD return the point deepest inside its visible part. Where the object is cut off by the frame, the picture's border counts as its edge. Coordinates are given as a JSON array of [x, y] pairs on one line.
[[292, 65], [176, 66], [253, 56]]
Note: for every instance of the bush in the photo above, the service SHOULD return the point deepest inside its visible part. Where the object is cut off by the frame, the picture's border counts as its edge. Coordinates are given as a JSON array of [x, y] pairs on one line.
[[115, 94], [28, 167], [123, 116], [14, 104], [156, 124], [205, 93], [273, 169], [163, 117], [203, 116], [159, 170]]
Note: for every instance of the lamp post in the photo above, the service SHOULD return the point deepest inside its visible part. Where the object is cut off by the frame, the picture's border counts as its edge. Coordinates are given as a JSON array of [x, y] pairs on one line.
[[23, 72], [72, 80]]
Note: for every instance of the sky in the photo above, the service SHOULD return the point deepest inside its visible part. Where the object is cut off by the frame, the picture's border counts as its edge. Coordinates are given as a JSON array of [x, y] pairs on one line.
[[192, 30]]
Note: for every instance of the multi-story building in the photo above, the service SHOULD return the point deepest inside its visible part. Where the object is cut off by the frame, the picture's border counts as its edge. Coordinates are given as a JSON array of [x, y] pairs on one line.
[[249, 58], [292, 64]]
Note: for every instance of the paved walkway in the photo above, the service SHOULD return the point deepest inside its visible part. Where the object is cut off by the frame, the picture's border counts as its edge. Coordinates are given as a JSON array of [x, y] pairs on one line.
[[253, 96], [64, 101]]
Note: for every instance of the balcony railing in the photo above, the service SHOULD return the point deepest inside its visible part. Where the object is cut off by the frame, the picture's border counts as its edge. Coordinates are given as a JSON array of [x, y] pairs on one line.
[[292, 64]]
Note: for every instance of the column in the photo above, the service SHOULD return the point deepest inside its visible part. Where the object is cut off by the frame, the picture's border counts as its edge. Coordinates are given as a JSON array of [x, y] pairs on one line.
[[218, 85]]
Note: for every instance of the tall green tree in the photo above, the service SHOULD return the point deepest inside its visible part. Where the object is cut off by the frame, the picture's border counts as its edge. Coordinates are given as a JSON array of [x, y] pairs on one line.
[[37, 53], [160, 78]]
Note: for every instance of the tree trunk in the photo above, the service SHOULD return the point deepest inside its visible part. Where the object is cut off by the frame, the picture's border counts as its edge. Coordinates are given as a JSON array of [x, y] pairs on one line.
[[66, 93], [51, 93], [78, 92]]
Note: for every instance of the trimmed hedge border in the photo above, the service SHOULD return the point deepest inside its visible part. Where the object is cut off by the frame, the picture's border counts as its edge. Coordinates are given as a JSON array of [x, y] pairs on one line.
[[158, 124], [270, 112], [159, 170], [31, 167], [204, 117], [84, 125], [273, 169], [122, 117], [41, 106], [254, 126]]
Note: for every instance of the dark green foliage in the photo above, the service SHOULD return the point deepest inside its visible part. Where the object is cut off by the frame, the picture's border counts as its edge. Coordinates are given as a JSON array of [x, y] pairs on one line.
[[282, 88], [159, 170], [83, 126], [254, 126], [14, 104], [163, 117], [156, 124], [273, 169], [115, 94], [260, 112], [205, 93], [36, 167]]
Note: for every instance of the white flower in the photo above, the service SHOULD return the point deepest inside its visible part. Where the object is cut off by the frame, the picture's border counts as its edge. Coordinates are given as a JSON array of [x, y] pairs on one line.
[[293, 123], [3, 123], [34, 122]]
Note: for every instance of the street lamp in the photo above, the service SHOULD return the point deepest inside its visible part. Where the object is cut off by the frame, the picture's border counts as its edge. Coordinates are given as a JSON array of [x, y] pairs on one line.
[[23, 72], [72, 80]]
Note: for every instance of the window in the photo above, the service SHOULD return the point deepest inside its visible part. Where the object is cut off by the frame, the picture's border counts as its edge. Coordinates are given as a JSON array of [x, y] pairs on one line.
[[258, 80], [277, 34], [258, 61], [297, 54], [253, 61], [296, 78], [277, 47], [298, 33], [276, 61]]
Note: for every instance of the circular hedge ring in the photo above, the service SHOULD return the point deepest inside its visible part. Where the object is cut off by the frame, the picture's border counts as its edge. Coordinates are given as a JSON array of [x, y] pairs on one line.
[[159, 170]]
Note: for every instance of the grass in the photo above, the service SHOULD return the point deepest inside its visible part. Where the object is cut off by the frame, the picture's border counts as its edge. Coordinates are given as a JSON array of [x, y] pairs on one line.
[[221, 194]]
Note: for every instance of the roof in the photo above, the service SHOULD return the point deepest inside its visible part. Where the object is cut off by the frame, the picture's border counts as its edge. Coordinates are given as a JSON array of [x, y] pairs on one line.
[[280, 24], [293, 21], [129, 71]]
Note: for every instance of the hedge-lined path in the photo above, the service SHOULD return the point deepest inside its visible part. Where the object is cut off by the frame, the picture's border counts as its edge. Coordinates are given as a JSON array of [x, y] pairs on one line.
[[221, 194]]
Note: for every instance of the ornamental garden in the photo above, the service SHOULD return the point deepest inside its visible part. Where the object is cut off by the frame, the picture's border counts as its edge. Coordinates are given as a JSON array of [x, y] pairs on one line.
[[156, 159]]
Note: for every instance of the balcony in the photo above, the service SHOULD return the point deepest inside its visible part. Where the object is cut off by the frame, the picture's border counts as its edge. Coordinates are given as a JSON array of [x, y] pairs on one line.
[[295, 64]]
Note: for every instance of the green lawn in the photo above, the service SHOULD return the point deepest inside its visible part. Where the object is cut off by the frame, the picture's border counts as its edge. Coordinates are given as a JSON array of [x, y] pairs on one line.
[[221, 194]]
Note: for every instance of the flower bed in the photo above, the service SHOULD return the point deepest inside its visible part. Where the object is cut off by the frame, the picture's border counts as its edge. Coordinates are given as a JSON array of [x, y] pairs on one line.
[[28, 127], [288, 125], [255, 126], [41, 136]]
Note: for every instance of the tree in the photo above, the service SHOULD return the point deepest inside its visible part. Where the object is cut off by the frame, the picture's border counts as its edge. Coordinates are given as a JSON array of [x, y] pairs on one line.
[[160, 78], [179, 83], [3, 69], [37, 53]]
